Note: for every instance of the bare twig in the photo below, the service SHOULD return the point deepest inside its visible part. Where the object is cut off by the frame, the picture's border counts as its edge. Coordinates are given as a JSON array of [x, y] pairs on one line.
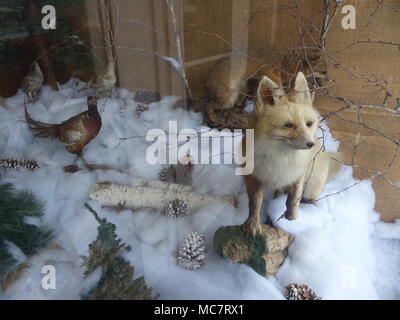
[[390, 43], [374, 11], [170, 5], [107, 28], [327, 21]]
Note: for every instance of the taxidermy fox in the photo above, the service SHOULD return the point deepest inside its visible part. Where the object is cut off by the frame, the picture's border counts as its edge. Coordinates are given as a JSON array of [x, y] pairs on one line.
[[287, 155]]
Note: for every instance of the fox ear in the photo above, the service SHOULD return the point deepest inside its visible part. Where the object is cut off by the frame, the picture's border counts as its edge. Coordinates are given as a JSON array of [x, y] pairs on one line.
[[301, 89], [268, 92]]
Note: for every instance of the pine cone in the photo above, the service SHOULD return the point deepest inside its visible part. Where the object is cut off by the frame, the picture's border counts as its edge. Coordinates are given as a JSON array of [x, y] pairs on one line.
[[167, 174], [12, 164], [140, 109], [176, 208], [295, 291], [147, 96], [191, 252], [179, 173], [71, 168], [183, 172]]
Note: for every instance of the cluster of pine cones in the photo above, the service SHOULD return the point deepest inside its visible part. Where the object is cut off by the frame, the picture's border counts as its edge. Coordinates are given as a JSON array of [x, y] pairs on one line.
[[192, 250], [182, 174]]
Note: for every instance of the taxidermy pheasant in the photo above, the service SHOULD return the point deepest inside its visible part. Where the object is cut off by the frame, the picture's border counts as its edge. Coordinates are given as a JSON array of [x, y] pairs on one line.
[[32, 83], [104, 83], [75, 132]]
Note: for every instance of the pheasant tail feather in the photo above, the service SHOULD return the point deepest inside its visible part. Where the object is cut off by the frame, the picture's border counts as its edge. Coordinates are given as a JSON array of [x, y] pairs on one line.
[[41, 129]]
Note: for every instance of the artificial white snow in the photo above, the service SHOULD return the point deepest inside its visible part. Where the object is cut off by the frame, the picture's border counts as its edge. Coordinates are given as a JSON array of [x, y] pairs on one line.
[[386, 243], [340, 250]]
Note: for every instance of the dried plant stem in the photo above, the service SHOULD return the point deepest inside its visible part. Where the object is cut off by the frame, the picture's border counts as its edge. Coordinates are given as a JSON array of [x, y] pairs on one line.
[[327, 22], [170, 5], [107, 28]]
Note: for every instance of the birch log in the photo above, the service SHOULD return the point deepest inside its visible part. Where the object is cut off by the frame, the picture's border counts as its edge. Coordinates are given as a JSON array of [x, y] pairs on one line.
[[152, 194]]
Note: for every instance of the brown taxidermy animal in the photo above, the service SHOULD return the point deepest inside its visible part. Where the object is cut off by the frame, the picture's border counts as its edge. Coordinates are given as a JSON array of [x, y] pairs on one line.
[[75, 133], [228, 79]]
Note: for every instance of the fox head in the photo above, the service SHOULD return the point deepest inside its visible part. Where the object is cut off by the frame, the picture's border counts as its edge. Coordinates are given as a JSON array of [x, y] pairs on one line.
[[289, 118]]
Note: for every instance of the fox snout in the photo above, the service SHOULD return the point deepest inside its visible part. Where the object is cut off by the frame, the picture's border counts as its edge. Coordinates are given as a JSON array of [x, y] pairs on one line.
[[305, 143], [308, 143]]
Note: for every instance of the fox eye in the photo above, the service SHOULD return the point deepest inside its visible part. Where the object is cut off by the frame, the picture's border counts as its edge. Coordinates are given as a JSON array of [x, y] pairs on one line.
[[309, 123], [289, 125]]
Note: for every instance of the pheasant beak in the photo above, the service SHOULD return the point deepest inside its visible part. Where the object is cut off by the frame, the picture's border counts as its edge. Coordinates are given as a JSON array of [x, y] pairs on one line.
[[92, 101]]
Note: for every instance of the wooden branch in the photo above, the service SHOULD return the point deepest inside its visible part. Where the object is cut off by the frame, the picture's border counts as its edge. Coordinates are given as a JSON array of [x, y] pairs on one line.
[[152, 194], [327, 22]]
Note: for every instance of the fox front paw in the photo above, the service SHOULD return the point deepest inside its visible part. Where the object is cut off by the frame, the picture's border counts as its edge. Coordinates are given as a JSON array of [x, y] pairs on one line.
[[252, 227], [289, 215], [309, 201]]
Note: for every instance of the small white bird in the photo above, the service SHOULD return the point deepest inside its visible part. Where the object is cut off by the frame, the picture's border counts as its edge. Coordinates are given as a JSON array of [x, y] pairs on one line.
[[32, 83], [104, 83]]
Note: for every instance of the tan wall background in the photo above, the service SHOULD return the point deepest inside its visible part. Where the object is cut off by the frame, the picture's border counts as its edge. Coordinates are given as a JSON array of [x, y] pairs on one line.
[[144, 33]]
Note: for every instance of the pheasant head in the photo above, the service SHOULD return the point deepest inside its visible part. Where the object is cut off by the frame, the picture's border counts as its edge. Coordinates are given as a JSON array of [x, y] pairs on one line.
[[92, 107]]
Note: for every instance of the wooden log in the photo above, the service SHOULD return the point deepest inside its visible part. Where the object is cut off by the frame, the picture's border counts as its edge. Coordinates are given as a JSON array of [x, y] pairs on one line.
[[152, 194]]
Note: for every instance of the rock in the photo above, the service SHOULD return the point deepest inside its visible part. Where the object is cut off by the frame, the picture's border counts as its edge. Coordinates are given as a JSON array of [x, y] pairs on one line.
[[265, 252]]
